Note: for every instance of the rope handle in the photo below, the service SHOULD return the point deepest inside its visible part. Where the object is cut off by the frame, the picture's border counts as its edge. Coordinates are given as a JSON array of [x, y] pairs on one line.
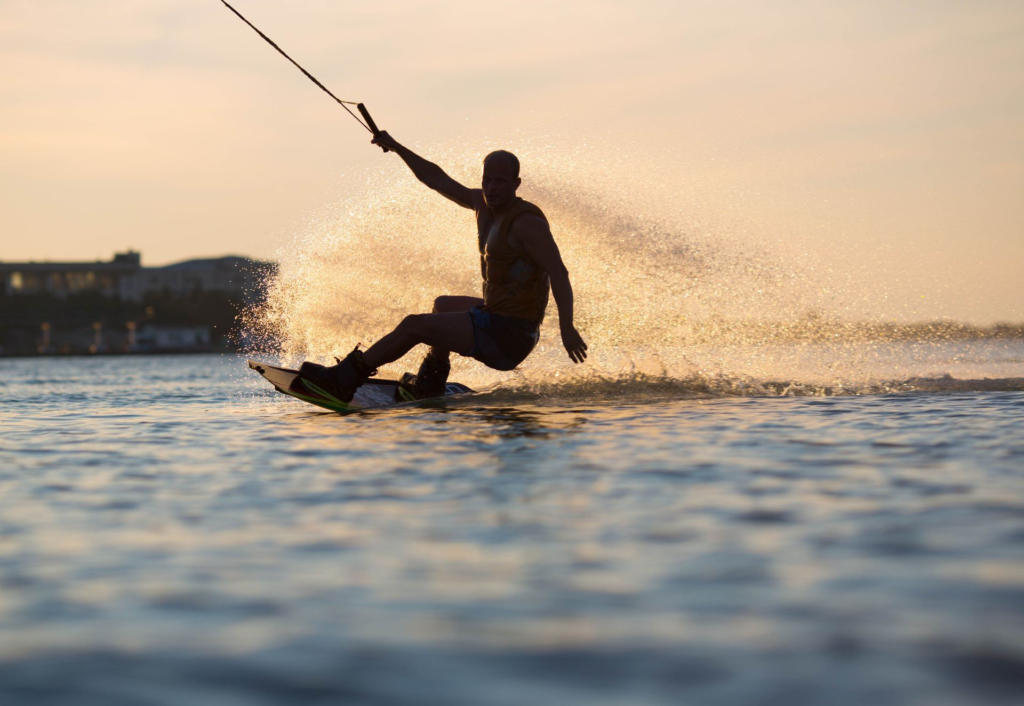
[[369, 122]]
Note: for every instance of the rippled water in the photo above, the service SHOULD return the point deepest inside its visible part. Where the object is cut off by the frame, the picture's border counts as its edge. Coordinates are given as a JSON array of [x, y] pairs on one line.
[[174, 533]]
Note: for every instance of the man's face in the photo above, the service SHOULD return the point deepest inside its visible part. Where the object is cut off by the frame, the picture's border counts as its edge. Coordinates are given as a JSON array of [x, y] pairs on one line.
[[499, 183]]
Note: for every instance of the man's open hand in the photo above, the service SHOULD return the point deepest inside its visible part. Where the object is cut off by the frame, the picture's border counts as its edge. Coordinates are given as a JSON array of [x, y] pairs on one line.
[[574, 344]]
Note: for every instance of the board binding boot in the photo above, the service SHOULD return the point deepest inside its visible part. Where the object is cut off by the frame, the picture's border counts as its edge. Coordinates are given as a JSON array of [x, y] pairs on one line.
[[430, 381], [338, 381]]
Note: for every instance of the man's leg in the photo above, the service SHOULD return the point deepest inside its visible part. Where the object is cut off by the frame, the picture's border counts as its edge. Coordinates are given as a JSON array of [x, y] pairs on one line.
[[442, 332], [451, 305], [430, 378]]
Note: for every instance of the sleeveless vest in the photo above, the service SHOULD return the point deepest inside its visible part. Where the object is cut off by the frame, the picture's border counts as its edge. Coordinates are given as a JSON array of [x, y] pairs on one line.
[[514, 285]]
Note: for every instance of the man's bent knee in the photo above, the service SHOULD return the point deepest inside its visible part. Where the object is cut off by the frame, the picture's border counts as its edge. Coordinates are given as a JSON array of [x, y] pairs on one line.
[[455, 304], [411, 324], [444, 304]]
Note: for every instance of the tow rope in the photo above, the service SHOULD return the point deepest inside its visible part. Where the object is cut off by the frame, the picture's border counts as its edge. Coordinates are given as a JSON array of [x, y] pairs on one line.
[[369, 124]]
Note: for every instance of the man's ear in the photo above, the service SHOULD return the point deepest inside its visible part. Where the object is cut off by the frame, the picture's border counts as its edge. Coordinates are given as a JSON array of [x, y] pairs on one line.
[[519, 182]]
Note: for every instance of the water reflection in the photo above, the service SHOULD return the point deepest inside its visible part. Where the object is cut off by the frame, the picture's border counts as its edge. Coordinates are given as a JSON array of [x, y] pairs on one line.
[[548, 546], [515, 422]]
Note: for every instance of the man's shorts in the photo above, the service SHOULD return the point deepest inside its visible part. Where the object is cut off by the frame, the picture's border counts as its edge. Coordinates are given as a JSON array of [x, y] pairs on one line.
[[501, 342]]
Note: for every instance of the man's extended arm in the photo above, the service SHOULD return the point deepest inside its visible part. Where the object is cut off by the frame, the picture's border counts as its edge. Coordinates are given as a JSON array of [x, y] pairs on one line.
[[431, 174], [535, 236]]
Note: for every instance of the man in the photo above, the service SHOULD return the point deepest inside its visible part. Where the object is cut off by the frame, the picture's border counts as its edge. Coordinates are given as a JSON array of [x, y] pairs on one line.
[[518, 259]]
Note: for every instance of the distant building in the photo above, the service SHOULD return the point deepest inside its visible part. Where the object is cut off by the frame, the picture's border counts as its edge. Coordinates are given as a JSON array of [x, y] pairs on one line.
[[43, 310], [125, 278], [116, 278]]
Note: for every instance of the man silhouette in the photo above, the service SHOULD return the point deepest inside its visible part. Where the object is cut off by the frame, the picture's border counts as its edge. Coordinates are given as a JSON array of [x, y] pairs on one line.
[[518, 260]]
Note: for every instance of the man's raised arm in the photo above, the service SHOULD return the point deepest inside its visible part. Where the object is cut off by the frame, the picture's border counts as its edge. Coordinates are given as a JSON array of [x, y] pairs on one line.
[[431, 174]]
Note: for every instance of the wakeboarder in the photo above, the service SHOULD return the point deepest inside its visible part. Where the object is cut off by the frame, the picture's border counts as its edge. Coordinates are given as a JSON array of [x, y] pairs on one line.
[[519, 262]]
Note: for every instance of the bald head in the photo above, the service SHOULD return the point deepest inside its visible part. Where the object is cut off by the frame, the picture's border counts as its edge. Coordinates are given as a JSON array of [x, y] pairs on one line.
[[501, 179], [510, 161]]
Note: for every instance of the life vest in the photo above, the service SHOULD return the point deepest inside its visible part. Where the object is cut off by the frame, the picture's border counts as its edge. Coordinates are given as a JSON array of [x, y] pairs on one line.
[[514, 285]]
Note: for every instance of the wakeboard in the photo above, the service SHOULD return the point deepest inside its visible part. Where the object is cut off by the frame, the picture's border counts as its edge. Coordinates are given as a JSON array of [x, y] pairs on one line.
[[371, 395]]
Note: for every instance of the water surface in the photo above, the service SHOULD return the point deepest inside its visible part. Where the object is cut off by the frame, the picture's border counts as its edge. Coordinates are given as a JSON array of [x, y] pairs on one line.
[[174, 533]]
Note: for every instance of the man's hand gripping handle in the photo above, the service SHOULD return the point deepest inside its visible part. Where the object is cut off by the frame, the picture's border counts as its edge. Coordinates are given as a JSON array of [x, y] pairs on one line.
[[369, 122]]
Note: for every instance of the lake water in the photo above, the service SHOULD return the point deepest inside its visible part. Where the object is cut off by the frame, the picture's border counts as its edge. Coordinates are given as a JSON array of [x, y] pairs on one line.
[[173, 532]]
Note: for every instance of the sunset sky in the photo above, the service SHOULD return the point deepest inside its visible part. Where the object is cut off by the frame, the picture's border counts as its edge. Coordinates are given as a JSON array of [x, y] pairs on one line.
[[889, 133]]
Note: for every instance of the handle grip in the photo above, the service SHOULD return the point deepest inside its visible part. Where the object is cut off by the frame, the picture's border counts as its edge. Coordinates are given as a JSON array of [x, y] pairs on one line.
[[369, 121]]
